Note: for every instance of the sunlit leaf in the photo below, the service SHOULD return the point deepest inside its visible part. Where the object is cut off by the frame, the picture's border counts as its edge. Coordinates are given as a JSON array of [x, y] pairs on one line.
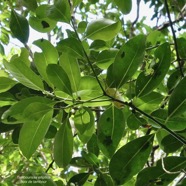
[[130, 159], [6, 84], [146, 83], [24, 74], [126, 62], [110, 130], [49, 55], [84, 123], [71, 67], [32, 134], [19, 26], [60, 11], [63, 145], [103, 29]]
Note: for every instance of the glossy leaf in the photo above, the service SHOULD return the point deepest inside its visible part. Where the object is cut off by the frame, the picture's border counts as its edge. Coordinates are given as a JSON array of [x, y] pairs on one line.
[[127, 61], [63, 145], [49, 55], [19, 27], [110, 130], [71, 67], [32, 133], [60, 11], [104, 179], [84, 123], [146, 83], [24, 74], [72, 47], [103, 29], [130, 159], [6, 84], [15, 113], [59, 78], [177, 102], [157, 175], [125, 6]]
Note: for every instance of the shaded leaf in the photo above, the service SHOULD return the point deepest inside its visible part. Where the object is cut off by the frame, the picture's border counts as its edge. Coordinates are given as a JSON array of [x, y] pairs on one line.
[[24, 74], [130, 159], [63, 145], [79, 179], [157, 176], [110, 130], [125, 6], [103, 29], [92, 145], [146, 83], [32, 133], [59, 78], [30, 4], [104, 179], [177, 102], [126, 62], [19, 27], [60, 11]]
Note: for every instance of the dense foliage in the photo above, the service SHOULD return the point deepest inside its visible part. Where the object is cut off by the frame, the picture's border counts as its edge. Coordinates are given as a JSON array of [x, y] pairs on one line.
[[98, 99]]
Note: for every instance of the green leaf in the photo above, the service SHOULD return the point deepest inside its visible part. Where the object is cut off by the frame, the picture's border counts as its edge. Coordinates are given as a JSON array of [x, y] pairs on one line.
[[177, 102], [35, 111], [6, 84], [63, 145], [59, 78], [84, 123], [30, 4], [149, 102], [104, 179], [110, 130], [130, 159], [32, 133], [125, 6], [72, 47], [127, 61], [60, 11], [181, 42], [146, 83], [79, 179], [15, 113], [92, 145], [24, 74], [176, 123], [103, 29], [134, 121], [71, 67], [19, 27], [106, 58], [41, 22], [49, 55], [157, 175]]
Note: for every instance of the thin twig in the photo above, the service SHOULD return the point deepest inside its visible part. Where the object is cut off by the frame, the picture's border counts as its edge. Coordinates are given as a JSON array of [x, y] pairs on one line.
[[174, 38], [50, 166]]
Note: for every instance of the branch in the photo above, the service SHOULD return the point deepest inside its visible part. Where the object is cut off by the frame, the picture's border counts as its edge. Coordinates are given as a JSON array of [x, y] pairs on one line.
[[174, 38]]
